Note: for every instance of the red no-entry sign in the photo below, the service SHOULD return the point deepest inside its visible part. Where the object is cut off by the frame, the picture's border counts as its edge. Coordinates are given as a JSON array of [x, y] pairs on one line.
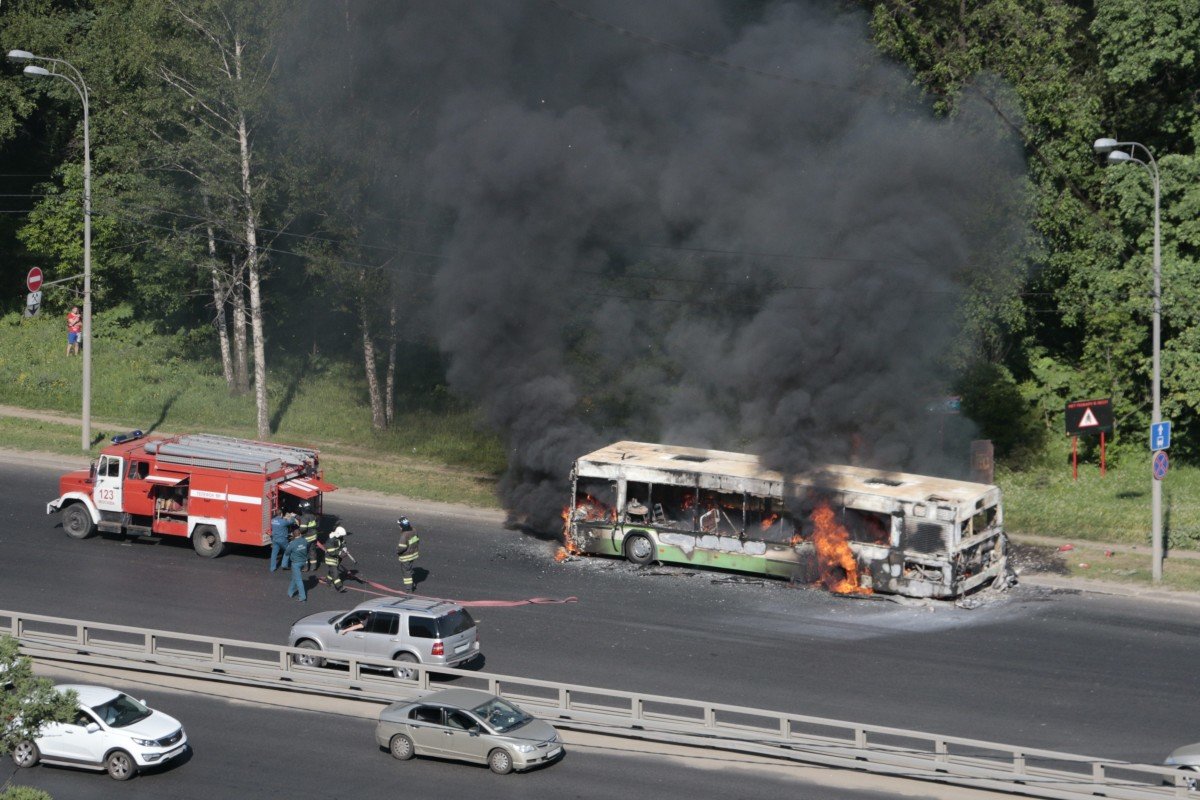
[[34, 279]]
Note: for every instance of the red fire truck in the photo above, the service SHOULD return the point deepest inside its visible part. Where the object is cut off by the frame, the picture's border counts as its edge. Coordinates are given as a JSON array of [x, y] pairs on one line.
[[216, 490]]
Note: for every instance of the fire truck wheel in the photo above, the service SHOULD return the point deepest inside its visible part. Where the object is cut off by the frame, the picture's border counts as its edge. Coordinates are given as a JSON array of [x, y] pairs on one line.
[[77, 522], [207, 541], [639, 549]]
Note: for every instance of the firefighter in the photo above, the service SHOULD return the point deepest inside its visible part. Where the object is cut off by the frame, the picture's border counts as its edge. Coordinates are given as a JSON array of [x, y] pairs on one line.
[[295, 554], [406, 550], [281, 528], [334, 548], [308, 529]]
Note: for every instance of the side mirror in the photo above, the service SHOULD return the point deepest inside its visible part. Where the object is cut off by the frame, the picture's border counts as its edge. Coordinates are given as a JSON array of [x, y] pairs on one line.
[[92, 728], [475, 729]]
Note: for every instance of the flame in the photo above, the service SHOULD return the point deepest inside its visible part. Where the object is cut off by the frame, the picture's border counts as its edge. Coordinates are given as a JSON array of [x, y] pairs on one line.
[[769, 521], [587, 509], [835, 559]]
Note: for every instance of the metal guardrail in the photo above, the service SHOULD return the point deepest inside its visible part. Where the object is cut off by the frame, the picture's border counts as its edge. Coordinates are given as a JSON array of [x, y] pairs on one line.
[[815, 740]]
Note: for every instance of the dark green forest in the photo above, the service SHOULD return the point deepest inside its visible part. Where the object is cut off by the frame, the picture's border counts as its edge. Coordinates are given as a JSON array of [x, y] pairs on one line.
[[668, 192]]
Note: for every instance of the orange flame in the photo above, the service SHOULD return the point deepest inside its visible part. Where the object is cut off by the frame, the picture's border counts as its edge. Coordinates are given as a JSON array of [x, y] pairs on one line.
[[769, 521], [835, 559], [562, 554]]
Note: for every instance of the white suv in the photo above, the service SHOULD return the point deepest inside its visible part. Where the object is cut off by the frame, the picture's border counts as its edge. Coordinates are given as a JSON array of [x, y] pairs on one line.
[[110, 731]]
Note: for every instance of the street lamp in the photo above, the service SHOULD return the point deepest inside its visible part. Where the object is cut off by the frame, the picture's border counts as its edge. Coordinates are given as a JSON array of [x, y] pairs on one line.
[[1124, 153], [80, 87]]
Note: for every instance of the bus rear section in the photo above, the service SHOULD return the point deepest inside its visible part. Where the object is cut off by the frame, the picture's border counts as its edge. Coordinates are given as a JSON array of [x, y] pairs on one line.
[[849, 529]]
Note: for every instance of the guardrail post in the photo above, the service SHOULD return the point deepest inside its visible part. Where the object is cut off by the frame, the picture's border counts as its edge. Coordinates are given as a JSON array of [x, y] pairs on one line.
[[218, 652], [941, 750], [710, 717], [150, 644], [564, 698], [860, 738], [81, 634], [785, 728], [1018, 762], [637, 708], [1097, 772]]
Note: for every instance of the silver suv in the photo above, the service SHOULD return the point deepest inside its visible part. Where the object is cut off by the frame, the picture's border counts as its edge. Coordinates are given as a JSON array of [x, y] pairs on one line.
[[407, 630]]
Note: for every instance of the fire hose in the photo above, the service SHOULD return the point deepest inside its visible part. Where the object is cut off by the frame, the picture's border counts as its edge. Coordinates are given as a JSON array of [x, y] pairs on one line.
[[384, 591]]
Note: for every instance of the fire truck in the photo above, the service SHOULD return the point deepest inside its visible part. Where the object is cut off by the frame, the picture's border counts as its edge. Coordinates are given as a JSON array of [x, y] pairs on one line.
[[215, 490]]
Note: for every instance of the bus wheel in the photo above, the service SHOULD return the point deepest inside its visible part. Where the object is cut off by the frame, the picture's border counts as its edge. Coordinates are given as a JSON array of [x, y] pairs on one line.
[[639, 549], [207, 541], [77, 522]]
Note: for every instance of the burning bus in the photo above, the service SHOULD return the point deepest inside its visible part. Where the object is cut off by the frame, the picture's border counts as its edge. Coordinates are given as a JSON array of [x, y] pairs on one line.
[[852, 530]]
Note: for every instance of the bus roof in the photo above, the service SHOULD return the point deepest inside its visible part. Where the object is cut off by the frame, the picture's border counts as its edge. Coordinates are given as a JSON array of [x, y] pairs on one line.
[[639, 456]]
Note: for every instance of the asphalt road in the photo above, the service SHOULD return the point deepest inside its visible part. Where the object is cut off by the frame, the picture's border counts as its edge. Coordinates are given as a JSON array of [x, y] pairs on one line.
[[246, 751], [1083, 673]]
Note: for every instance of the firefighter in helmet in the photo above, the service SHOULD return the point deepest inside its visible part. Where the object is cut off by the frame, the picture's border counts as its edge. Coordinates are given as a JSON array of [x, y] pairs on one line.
[[308, 529], [406, 550], [335, 547]]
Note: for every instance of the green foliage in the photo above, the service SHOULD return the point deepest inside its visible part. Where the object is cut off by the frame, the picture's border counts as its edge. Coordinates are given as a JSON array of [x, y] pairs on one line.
[[993, 400], [24, 793], [31, 703]]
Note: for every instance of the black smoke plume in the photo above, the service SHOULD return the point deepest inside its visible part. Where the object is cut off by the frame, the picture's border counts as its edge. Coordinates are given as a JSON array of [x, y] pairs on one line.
[[724, 224]]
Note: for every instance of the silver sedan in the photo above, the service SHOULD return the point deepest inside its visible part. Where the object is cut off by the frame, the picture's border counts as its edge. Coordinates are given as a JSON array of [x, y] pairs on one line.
[[468, 725]]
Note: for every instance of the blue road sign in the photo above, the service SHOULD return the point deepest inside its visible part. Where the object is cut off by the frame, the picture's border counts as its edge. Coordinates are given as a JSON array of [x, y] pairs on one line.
[[1160, 464], [1160, 435]]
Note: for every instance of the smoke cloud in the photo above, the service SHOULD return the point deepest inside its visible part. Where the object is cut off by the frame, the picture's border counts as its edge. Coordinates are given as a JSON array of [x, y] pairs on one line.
[[760, 244]]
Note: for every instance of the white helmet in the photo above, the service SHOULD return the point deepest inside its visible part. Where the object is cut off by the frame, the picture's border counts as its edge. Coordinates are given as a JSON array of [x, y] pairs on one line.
[[339, 532]]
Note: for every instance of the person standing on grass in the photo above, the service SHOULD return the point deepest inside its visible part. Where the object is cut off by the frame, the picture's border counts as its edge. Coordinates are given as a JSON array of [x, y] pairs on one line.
[[74, 331]]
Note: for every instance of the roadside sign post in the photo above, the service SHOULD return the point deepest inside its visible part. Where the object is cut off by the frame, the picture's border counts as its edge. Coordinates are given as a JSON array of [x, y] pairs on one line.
[[1159, 464], [1088, 417], [33, 281]]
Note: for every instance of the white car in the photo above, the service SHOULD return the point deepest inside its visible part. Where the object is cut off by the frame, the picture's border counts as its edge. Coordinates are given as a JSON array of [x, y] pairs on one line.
[[110, 731]]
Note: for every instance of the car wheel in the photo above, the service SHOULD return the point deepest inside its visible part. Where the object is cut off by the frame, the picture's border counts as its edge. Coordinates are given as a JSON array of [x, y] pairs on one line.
[[639, 549], [25, 754], [306, 660], [77, 522], [207, 542], [407, 673], [120, 765], [500, 762], [401, 747]]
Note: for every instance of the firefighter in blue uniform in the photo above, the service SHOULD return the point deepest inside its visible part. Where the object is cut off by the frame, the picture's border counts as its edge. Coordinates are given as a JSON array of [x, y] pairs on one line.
[[406, 551], [281, 528], [296, 555]]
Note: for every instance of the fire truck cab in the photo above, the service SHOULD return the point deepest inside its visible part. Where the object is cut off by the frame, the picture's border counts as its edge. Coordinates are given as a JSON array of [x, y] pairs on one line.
[[215, 490]]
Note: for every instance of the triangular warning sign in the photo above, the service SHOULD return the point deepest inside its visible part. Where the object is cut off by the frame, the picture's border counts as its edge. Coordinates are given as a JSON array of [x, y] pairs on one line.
[[1088, 420]]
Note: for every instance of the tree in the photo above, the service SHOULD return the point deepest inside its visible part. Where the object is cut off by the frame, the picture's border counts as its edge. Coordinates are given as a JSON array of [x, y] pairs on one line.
[[31, 703]]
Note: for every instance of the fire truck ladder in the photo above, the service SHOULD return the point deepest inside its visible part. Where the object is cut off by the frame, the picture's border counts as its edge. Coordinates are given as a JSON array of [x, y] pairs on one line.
[[225, 452]]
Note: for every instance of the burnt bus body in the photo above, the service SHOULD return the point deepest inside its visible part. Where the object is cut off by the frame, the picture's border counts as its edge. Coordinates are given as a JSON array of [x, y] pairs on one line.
[[911, 535]]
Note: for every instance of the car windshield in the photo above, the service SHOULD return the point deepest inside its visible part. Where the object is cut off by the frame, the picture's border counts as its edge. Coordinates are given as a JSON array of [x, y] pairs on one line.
[[500, 715], [454, 623], [121, 711]]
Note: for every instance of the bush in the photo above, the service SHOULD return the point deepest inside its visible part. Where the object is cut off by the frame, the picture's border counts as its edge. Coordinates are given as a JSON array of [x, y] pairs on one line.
[[992, 399], [24, 793]]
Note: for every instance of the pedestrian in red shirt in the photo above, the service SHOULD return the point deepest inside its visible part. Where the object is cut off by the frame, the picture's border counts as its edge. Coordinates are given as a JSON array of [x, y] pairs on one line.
[[74, 331]]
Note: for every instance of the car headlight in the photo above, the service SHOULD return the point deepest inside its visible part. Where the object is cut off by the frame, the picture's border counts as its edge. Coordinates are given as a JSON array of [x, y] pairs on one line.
[[145, 742], [526, 748]]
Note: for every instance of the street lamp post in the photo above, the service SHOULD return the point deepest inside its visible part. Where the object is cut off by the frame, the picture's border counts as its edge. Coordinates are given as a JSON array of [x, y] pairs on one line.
[[1121, 153], [81, 88]]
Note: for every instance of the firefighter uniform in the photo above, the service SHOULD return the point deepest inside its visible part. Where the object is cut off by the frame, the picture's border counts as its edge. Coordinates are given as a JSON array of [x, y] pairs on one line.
[[407, 551], [280, 534], [308, 529], [334, 548], [295, 553]]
